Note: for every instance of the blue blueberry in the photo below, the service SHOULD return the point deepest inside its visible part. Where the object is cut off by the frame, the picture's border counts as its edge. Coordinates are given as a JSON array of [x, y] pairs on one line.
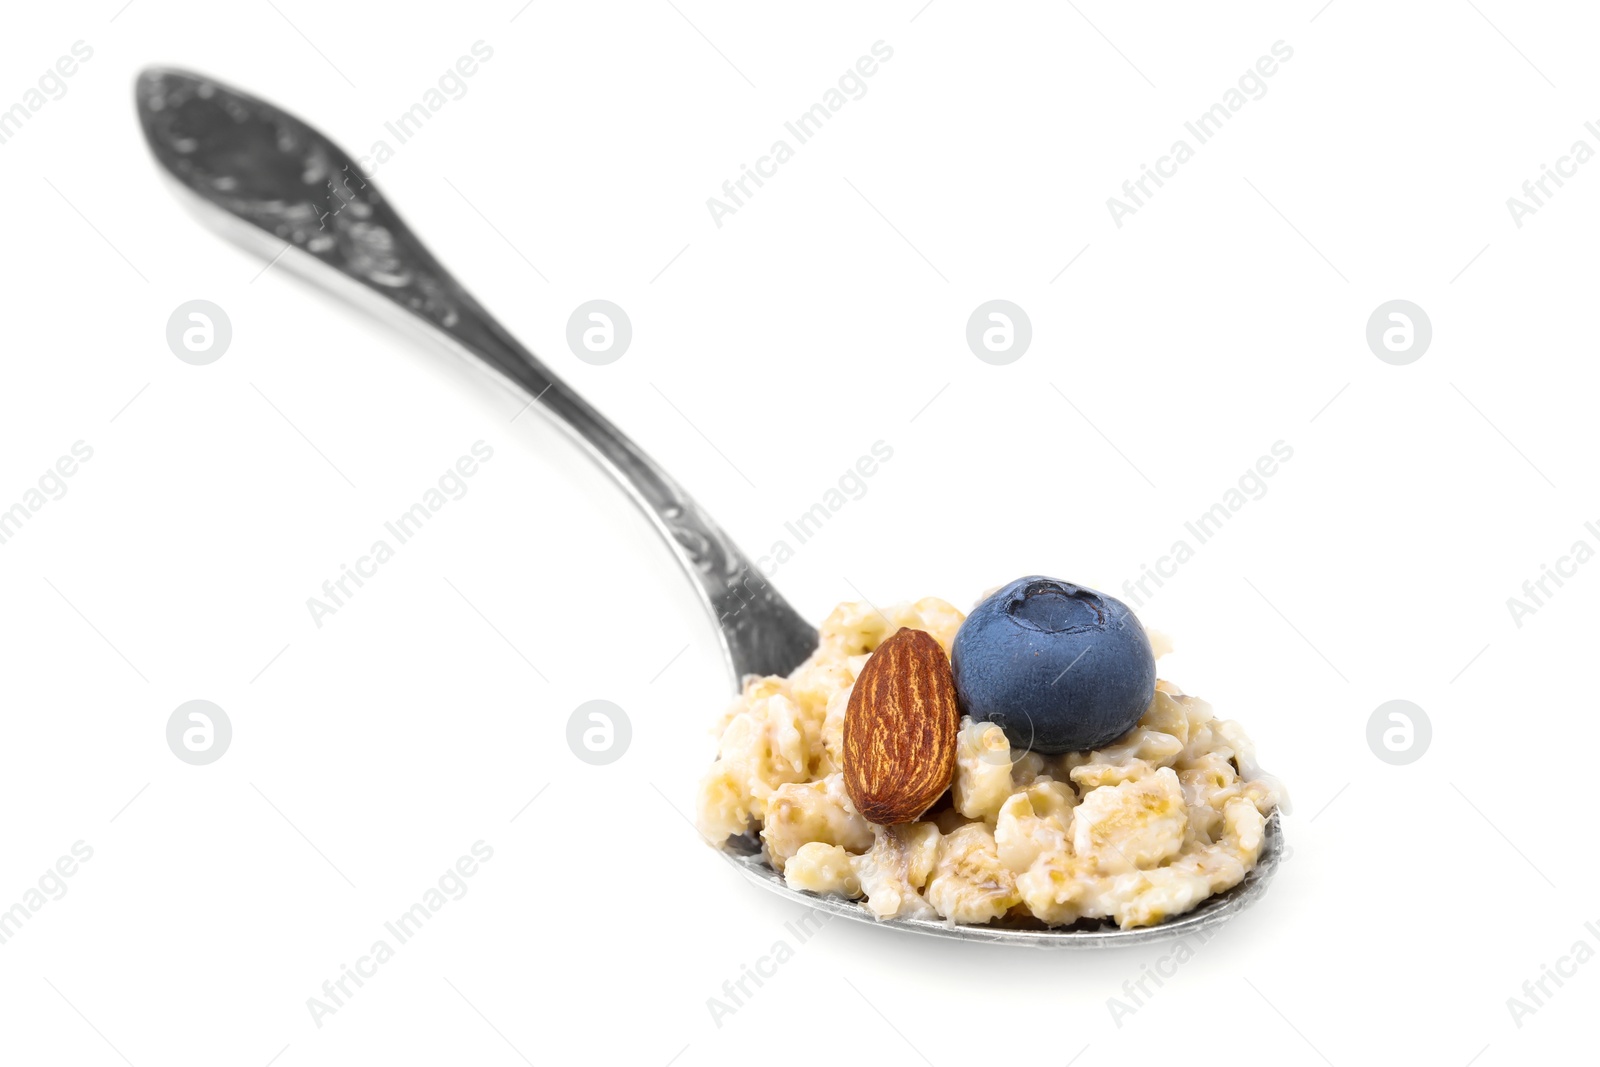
[[1058, 667]]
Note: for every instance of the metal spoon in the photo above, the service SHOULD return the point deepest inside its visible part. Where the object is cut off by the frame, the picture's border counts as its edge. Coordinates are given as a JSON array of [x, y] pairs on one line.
[[274, 184]]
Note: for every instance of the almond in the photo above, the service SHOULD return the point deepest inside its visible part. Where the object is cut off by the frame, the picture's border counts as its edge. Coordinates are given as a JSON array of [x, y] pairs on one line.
[[900, 729]]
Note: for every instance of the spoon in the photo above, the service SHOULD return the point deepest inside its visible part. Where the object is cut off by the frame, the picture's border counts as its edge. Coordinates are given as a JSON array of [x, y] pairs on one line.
[[274, 184]]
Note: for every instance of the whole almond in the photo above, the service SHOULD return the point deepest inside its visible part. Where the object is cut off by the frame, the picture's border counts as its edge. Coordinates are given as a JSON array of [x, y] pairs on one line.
[[900, 729]]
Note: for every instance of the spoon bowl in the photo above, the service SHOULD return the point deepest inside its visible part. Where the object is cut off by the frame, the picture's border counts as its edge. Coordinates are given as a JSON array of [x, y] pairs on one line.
[[1212, 912]]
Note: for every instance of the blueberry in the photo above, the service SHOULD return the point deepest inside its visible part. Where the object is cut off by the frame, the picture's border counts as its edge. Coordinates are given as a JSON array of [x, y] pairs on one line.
[[1058, 667]]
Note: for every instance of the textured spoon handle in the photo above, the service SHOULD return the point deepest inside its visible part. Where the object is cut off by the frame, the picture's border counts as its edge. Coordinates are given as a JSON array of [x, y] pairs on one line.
[[265, 167]]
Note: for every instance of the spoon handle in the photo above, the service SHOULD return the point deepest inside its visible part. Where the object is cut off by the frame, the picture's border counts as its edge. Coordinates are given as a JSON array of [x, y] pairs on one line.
[[264, 167]]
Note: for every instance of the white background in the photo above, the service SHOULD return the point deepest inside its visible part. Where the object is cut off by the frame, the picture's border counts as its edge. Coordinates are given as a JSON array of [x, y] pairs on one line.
[[827, 314]]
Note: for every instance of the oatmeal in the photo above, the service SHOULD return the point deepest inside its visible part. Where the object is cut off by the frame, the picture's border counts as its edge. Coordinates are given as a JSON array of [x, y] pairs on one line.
[[1140, 828]]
